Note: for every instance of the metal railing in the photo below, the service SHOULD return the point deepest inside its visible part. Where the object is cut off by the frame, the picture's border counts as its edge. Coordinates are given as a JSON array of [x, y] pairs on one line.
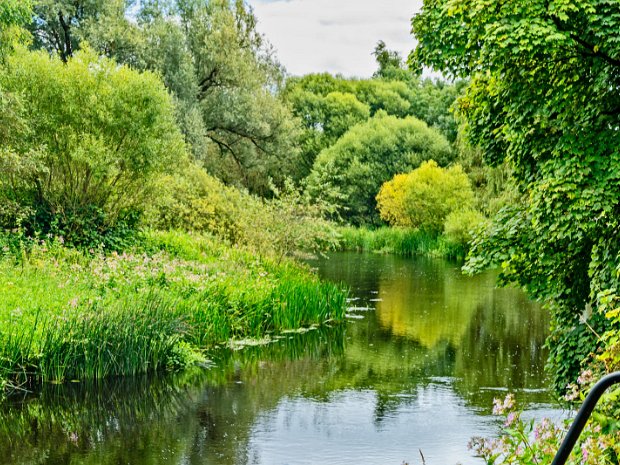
[[582, 417]]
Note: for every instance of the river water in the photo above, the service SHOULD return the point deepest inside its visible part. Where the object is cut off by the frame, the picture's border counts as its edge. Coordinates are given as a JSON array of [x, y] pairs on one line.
[[414, 370]]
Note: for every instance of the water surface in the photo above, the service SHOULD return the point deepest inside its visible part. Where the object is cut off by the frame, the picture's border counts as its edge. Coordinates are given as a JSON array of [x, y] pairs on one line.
[[424, 351]]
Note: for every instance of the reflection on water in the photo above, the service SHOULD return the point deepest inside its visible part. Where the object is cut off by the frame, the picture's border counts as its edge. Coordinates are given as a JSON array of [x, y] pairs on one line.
[[418, 371]]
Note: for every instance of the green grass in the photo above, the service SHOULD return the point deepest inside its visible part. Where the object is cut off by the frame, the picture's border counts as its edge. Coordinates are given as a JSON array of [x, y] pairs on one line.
[[69, 315], [399, 241]]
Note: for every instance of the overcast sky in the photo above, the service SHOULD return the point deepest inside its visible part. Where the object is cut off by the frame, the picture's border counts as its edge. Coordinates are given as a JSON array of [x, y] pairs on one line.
[[337, 36]]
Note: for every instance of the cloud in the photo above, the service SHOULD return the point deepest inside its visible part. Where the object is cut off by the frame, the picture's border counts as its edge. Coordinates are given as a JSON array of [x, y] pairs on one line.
[[337, 36]]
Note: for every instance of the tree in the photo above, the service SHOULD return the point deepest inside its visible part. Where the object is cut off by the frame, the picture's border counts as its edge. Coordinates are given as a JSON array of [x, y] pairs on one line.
[[93, 134], [13, 15], [544, 95], [251, 130], [391, 65], [424, 197], [60, 27], [397, 95], [350, 172], [221, 70], [325, 119]]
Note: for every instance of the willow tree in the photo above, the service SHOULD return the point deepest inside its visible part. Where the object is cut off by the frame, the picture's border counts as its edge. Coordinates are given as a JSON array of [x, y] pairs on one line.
[[544, 95], [91, 135]]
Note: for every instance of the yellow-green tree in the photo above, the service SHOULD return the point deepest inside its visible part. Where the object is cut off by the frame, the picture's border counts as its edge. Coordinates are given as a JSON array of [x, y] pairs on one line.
[[424, 197]]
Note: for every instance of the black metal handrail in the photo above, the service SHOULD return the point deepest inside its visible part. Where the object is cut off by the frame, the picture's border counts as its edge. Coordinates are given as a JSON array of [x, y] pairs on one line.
[[582, 417]]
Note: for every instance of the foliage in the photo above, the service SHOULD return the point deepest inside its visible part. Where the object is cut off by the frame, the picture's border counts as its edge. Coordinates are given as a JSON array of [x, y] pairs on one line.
[[493, 185], [325, 118], [13, 15], [61, 26], [350, 173], [249, 131], [544, 96], [397, 92], [424, 197], [93, 134], [210, 56], [288, 224], [66, 314], [460, 225], [390, 63]]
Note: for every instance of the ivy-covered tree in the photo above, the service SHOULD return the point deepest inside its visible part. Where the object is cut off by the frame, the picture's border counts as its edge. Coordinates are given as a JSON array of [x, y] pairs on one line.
[[544, 95]]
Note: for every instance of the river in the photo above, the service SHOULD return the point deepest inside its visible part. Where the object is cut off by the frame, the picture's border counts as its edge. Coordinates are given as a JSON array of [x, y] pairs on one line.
[[416, 367]]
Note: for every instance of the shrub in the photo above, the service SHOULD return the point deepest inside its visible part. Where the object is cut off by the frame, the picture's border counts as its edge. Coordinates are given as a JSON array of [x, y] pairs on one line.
[[425, 197], [93, 133], [192, 200], [460, 225]]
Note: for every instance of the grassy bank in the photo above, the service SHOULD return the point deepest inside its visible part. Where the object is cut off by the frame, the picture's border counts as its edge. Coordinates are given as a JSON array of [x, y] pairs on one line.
[[66, 314], [399, 241]]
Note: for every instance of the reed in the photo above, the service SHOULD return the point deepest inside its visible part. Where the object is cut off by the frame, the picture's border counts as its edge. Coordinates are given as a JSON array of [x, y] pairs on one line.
[[399, 241], [66, 315]]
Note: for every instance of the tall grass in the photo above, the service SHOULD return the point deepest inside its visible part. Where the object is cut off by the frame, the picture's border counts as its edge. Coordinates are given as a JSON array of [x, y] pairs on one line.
[[68, 315], [399, 241]]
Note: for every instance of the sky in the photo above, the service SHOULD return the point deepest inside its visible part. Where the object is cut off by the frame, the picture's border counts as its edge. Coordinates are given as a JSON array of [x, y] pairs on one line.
[[337, 36]]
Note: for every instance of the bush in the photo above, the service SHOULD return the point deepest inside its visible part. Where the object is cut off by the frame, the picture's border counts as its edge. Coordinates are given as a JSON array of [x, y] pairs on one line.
[[460, 225], [425, 197], [92, 135], [192, 200]]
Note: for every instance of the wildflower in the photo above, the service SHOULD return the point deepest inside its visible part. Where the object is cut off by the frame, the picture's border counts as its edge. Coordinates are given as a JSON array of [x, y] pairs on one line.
[[572, 393], [511, 419], [586, 377], [500, 407]]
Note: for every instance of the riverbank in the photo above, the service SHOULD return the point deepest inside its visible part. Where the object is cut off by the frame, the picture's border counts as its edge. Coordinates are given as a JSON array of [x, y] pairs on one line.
[[399, 241], [67, 314]]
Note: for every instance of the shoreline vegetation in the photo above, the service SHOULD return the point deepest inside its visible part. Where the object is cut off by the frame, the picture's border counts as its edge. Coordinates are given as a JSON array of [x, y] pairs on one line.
[[67, 314], [399, 241]]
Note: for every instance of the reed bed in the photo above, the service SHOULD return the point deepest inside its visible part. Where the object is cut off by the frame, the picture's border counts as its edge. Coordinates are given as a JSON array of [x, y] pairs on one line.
[[399, 241], [68, 315]]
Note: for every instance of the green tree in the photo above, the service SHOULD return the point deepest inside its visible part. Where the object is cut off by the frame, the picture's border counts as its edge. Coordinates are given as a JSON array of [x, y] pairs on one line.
[[13, 15], [60, 27], [250, 130], [424, 197], [391, 65], [93, 134], [210, 55], [325, 119], [350, 172], [395, 93], [544, 95]]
